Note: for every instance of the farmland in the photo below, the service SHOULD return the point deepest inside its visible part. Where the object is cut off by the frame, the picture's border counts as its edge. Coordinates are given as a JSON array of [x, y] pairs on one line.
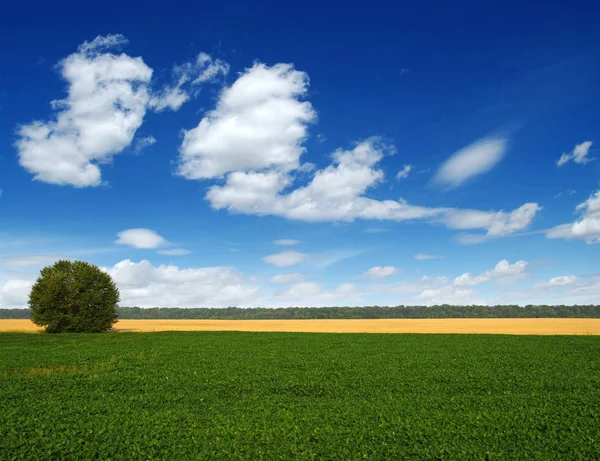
[[234, 395], [549, 326]]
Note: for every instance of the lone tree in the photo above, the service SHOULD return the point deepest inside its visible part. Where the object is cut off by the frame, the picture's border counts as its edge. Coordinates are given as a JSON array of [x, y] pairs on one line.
[[74, 297]]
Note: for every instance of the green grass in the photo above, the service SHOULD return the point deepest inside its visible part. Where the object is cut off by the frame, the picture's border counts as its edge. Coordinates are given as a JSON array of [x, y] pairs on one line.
[[228, 395]]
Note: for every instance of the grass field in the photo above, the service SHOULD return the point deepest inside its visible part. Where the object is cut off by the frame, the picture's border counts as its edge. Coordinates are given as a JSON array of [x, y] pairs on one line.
[[551, 326], [235, 395]]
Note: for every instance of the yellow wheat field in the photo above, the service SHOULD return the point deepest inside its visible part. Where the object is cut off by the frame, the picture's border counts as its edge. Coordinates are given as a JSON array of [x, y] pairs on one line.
[[481, 326]]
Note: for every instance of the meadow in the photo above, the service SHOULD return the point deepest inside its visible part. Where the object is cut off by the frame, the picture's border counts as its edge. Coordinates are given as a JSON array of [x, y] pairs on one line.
[[241, 395]]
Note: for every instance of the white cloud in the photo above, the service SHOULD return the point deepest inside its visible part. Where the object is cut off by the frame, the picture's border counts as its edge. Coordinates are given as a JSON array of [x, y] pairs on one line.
[[302, 290], [142, 143], [587, 227], [174, 252], [504, 268], [259, 122], [468, 280], [380, 272], [447, 295], [558, 281], [105, 105], [567, 192], [285, 258], [497, 223], [425, 257], [141, 238], [108, 95], [504, 271], [288, 278], [187, 77], [15, 293], [579, 154], [145, 285], [312, 293], [473, 160], [286, 242], [31, 260], [336, 194], [333, 194], [102, 42], [327, 259], [375, 230], [581, 292], [253, 140], [403, 173]]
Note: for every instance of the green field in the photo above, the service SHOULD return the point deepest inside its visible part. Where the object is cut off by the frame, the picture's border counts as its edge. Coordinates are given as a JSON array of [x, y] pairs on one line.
[[228, 395]]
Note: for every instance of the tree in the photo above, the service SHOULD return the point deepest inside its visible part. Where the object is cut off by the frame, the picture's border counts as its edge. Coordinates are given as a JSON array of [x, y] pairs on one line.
[[74, 297]]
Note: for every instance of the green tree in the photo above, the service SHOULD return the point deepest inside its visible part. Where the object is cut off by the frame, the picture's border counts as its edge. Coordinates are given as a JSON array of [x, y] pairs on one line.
[[74, 297]]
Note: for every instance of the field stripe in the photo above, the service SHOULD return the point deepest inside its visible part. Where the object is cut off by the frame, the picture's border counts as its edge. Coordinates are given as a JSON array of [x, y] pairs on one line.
[[466, 326]]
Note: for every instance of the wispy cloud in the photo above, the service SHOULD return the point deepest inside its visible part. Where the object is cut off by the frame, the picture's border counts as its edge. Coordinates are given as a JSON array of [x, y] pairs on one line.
[[285, 258], [425, 257], [579, 154], [174, 252], [403, 173], [380, 272], [31, 260], [286, 242], [375, 230], [143, 143], [475, 159]]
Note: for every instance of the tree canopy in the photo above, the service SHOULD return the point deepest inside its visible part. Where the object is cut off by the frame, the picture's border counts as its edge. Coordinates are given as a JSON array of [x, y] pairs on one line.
[[74, 296]]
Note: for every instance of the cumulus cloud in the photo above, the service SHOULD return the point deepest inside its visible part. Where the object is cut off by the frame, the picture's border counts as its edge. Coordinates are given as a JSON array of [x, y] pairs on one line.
[[504, 268], [379, 272], [141, 239], [587, 227], [259, 122], [447, 295], [335, 193], [108, 95], [187, 77], [467, 279], [252, 143], [497, 223], [145, 285], [106, 102], [288, 278], [312, 293], [426, 291], [473, 160], [581, 291], [558, 281], [286, 242], [285, 258], [15, 293], [503, 271], [579, 154], [403, 173]]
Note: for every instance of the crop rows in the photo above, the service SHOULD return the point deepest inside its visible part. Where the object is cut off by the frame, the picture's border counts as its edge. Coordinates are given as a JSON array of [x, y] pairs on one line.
[[228, 395]]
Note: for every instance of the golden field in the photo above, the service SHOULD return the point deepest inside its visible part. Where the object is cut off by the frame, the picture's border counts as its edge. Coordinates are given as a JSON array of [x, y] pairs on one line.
[[476, 326]]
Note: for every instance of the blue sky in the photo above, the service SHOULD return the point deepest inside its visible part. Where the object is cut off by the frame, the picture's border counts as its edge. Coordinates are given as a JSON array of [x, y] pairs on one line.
[[277, 155]]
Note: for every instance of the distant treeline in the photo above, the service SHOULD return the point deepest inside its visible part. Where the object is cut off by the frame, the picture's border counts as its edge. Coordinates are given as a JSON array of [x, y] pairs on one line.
[[367, 312]]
